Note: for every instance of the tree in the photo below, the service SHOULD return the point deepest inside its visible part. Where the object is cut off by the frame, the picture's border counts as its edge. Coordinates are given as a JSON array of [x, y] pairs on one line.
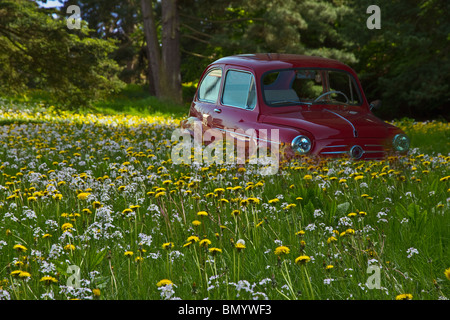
[[405, 63], [214, 28], [164, 59], [39, 51], [119, 20]]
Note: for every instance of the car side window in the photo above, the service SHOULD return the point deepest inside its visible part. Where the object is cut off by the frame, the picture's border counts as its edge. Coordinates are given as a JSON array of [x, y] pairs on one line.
[[210, 86], [239, 90]]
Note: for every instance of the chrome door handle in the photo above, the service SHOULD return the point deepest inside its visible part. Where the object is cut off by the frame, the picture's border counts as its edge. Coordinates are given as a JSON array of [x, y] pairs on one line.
[[217, 110]]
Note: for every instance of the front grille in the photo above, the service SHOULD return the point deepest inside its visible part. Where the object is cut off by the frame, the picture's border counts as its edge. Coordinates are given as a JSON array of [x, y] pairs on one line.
[[373, 151], [370, 151], [335, 150]]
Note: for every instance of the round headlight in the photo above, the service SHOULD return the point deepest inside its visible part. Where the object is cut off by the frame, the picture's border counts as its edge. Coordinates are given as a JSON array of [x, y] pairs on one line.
[[401, 142], [301, 144]]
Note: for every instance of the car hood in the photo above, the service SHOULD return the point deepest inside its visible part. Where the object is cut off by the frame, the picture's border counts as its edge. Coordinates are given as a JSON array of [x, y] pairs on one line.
[[329, 123]]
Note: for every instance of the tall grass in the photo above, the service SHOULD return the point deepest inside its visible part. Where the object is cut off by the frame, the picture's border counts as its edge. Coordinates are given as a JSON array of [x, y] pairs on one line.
[[101, 193]]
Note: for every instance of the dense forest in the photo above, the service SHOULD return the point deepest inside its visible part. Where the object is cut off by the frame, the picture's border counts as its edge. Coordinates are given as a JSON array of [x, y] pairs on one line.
[[164, 45]]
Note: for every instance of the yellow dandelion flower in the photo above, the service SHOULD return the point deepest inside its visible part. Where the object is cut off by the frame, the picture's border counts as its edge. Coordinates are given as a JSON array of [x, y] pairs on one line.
[[128, 253], [447, 273], [202, 213], [329, 267], [196, 223], [187, 244], [96, 292], [219, 190], [20, 248], [302, 260], [350, 231], [404, 296], [160, 194], [48, 280], [331, 239], [291, 205], [167, 245], [240, 244], [235, 213], [69, 247], [274, 200], [96, 204], [204, 243], [281, 250], [127, 210], [66, 227], [57, 196], [15, 273], [214, 251], [193, 239], [253, 200], [164, 282], [24, 275], [351, 215], [83, 195], [244, 202]]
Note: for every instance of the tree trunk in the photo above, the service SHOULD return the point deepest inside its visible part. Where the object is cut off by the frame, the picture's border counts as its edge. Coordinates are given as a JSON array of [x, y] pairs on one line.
[[171, 48], [154, 55], [164, 65]]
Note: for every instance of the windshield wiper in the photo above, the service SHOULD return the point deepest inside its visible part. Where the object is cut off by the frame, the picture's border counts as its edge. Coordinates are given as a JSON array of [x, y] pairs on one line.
[[290, 101]]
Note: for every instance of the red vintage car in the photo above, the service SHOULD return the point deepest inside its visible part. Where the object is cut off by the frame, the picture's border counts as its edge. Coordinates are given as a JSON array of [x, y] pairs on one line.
[[317, 105]]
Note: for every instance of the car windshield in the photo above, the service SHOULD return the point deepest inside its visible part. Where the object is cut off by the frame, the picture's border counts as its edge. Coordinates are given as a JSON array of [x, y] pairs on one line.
[[309, 86]]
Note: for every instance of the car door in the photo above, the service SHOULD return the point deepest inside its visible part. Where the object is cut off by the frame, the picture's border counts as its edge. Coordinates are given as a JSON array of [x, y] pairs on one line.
[[237, 106], [207, 97], [237, 111]]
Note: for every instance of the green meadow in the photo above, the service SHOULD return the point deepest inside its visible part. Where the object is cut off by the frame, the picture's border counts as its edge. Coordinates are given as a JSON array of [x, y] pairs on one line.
[[93, 207]]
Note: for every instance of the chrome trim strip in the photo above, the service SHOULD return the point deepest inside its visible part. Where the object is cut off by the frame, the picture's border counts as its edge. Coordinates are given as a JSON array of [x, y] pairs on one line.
[[247, 136], [334, 152], [355, 133], [374, 151], [373, 145], [340, 146]]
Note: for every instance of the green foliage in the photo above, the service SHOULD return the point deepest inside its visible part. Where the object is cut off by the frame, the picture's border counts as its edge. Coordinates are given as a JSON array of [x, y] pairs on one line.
[[405, 63], [38, 51]]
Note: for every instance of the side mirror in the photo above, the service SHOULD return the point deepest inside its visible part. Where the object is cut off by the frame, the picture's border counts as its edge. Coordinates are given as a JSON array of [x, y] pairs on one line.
[[375, 104]]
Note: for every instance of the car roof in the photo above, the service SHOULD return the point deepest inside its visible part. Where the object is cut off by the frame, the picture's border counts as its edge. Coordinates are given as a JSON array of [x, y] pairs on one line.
[[270, 61]]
